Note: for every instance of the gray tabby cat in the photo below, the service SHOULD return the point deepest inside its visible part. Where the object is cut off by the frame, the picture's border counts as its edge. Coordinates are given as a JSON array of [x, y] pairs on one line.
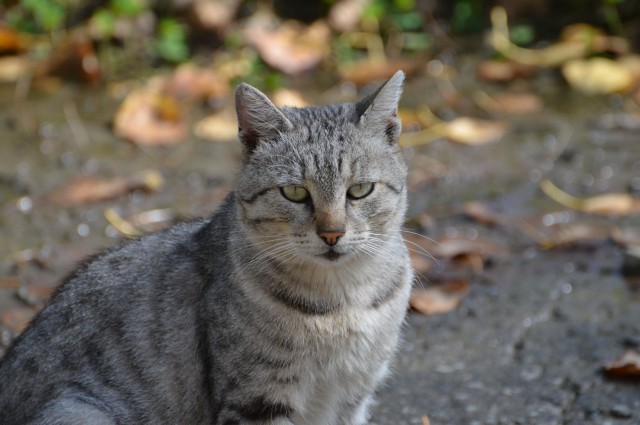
[[284, 308]]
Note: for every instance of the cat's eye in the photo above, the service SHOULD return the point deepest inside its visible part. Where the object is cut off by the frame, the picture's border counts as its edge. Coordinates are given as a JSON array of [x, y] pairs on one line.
[[360, 190], [295, 193]]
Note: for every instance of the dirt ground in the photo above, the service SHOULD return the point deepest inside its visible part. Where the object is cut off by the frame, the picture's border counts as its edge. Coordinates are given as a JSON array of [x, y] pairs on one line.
[[527, 344]]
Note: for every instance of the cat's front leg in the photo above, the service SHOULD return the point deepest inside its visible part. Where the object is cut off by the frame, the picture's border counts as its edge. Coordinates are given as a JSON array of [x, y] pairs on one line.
[[356, 413]]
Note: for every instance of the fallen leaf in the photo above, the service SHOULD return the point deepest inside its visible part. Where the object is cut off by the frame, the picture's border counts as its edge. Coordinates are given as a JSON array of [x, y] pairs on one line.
[[16, 319], [365, 71], [292, 48], [221, 127], [85, 190], [147, 117], [598, 75], [213, 15], [510, 103], [439, 299], [473, 131], [503, 71], [423, 137], [481, 213], [556, 54], [10, 282], [287, 97], [420, 262], [607, 204], [120, 224], [564, 234], [345, 15], [425, 420], [13, 68], [153, 220], [625, 366], [195, 83], [627, 237], [75, 59], [10, 41]]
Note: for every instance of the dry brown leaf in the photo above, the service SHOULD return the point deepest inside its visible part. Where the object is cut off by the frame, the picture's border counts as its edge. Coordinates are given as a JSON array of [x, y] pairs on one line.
[[425, 420], [369, 70], [423, 137], [13, 68], [481, 213], [598, 75], [11, 41], [287, 97], [503, 71], [627, 237], [147, 117], [473, 131], [213, 15], [450, 247], [563, 234], [85, 190], [625, 366], [439, 299], [292, 48], [510, 103], [607, 204], [16, 319], [76, 59], [344, 15], [220, 127], [10, 282], [192, 82], [420, 262]]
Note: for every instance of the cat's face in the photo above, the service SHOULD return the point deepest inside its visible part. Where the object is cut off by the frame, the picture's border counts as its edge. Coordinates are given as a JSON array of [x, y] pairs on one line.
[[327, 186]]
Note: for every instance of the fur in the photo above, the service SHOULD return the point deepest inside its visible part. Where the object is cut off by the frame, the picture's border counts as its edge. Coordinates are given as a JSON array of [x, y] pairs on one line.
[[249, 316]]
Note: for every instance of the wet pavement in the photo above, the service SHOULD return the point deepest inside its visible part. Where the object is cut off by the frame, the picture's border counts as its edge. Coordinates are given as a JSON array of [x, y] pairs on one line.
[[527, 345]]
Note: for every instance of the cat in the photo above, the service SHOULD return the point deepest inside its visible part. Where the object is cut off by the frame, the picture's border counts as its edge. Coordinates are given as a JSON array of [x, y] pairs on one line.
[[285, 307]]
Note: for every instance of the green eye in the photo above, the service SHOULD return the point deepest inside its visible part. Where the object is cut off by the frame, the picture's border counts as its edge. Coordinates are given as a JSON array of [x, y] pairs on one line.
[[360, 190], [295, 193]]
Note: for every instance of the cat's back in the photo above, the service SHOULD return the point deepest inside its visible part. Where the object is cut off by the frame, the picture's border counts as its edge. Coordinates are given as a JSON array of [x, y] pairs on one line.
[[123, 326]]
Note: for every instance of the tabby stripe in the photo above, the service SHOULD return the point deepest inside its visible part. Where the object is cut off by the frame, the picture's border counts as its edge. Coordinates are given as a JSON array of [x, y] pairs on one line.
[[393, 188], [255, 196], [264, 359], [388, 295], [302, 305], [261, 409]]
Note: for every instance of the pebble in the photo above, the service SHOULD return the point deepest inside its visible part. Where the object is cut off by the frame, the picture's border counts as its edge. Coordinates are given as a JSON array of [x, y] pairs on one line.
[[621, 411]]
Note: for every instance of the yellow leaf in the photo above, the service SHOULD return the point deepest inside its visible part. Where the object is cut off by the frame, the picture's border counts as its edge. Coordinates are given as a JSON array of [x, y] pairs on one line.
[[607, 204]]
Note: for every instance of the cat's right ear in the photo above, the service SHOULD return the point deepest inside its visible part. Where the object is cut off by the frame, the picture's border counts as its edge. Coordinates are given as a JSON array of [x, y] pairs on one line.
[[258, 118]]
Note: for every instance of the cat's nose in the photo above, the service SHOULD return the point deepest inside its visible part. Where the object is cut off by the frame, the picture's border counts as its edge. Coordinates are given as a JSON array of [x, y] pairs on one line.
[[331, 237]]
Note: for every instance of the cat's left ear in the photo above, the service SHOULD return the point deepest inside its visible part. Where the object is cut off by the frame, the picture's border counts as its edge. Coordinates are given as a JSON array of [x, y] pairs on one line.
[[379, 112], [258, 118]]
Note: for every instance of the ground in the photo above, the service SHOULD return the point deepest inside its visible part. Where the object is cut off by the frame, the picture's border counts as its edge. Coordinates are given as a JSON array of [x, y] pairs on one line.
[[527, 345]]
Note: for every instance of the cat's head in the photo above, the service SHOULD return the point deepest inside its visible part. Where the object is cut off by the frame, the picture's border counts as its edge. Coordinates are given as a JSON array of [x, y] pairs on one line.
[[321, 184]]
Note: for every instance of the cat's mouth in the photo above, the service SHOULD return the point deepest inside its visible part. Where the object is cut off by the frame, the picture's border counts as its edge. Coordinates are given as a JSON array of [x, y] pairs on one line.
[[332, 255]]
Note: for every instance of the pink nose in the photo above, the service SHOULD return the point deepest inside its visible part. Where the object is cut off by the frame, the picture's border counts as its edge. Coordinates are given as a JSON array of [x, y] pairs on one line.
[[331, 238]]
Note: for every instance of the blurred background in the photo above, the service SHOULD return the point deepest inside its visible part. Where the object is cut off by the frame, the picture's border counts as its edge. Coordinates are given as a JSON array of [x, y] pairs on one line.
[[521, 128]]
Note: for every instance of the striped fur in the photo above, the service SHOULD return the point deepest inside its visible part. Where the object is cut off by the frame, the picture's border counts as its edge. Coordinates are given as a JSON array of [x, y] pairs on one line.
[[248, 317]]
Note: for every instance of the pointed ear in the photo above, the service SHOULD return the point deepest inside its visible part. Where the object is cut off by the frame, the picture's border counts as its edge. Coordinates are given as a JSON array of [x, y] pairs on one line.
[[258, 118], [379, 112]]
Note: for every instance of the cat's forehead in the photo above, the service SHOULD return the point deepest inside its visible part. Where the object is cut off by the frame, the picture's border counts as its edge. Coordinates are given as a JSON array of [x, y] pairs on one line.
[[322, 123]]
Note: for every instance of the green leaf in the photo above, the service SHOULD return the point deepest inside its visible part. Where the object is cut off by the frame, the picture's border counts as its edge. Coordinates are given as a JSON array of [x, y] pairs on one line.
[[129, 8], [522, 34], [171, 44]]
